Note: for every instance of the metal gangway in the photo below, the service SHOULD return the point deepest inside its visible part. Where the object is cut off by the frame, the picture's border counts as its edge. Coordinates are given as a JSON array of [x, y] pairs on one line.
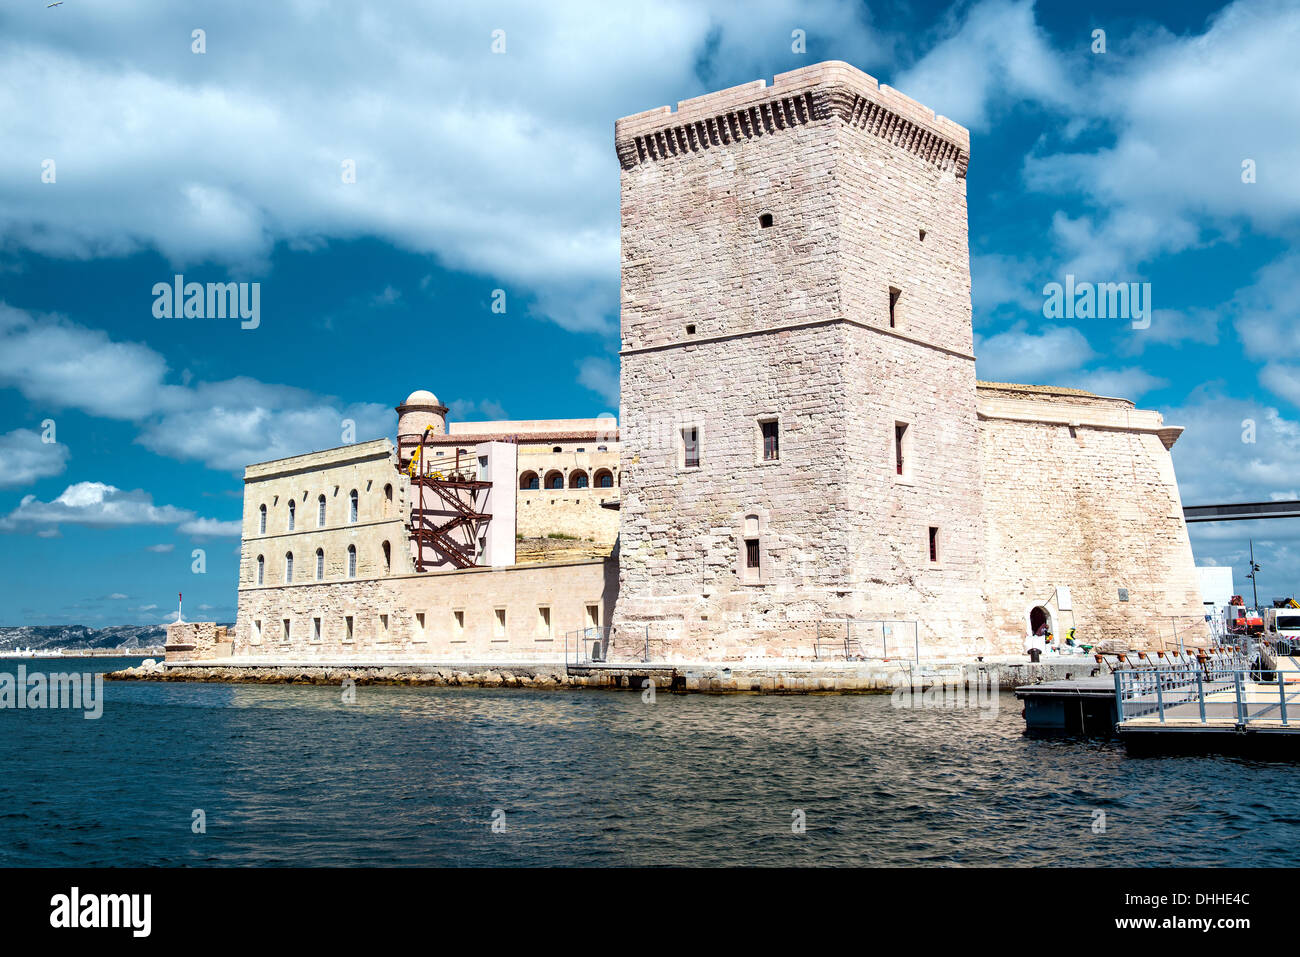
[[1221, 695]]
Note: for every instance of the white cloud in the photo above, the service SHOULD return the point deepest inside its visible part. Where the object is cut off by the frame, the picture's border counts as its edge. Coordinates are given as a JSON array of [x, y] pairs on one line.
[[99, 505], [225, 425], [1126, 383], [1034, 358], [24, 458], [94, 504], [1171, 177], [997, 53], [211, 528], [496, 164], [161, 549], [601, 377]]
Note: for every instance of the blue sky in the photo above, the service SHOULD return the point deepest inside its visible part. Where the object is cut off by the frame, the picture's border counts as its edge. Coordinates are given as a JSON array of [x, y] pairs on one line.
[[478, 171]]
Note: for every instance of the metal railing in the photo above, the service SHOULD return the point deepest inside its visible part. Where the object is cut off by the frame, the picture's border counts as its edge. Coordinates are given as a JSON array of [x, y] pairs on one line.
[[858, 639], [1218, 695], [604, 646]]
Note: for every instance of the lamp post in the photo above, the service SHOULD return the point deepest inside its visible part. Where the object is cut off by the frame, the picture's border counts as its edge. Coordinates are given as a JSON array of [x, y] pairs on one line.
[[1254, 588]]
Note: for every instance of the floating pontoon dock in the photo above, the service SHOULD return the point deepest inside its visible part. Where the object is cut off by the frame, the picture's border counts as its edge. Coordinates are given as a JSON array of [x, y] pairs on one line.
[[1210, 709]]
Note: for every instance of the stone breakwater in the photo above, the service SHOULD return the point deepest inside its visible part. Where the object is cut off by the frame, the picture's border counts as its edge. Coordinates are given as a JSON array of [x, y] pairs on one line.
[[847, 679]]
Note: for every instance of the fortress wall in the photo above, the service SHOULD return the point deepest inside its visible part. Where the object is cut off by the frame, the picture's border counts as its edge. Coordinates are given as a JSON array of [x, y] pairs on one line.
[[1096, 512], [682, 539], [920, 371], [567, 590], [575, 512]]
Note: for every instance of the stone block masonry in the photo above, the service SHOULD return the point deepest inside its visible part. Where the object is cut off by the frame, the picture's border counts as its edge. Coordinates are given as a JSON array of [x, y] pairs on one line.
[[802, 441]]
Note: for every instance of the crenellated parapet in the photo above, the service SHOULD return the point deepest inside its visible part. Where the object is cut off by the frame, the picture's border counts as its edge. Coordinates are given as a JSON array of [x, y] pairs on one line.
[[817, 93]]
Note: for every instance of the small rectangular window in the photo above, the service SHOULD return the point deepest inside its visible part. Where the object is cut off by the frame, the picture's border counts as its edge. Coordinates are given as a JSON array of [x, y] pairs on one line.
[[457, 623], [771, 440], [315, 629], [383, 627], [419, 627], [934, 544], [593, 616], [894, 295], [900, 446], [286, 630], [257, 631], [543, 622], [499, 624], [751, 553], [691, 447], [347, 628]]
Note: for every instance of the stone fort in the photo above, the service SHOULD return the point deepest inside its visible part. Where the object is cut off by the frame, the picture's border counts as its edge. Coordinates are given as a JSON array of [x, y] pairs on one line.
[[802, 447]]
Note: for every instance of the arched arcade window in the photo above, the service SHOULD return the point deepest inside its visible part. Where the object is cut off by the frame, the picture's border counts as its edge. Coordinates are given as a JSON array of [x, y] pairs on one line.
[[528, 481]]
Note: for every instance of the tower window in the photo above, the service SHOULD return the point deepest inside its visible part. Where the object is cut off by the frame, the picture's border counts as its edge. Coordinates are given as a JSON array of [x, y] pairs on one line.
[[934, 544], [288, 567], [922, 235], [751, 553], [900, 444], [765, 220], [320, 512], [320, 564], [690, 329], [287, 629], [893, 306], [691, 448], [347, 628], [261, 570], [352, 506], [388, 558], [261, 520], [771, 440], [292, 511], [352, 561]]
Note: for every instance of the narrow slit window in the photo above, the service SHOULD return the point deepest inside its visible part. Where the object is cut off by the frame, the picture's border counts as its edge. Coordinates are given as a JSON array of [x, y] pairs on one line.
[[771, 440], [900, 445], [894, 295], [934, 544], [691, 448], [752, 557], [765, 221]]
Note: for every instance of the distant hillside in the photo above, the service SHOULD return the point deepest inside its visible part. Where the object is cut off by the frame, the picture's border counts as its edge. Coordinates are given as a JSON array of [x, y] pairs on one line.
[[82, 636]]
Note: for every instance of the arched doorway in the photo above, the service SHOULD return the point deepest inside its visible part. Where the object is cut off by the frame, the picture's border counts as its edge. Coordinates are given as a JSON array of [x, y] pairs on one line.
[[1038, 617]]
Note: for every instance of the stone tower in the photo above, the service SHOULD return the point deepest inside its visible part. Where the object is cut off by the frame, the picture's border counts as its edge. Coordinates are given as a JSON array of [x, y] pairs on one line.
[[795, 314]]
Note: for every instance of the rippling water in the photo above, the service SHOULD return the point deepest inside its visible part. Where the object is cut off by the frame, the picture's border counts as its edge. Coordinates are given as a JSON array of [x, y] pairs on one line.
[[291, 775]]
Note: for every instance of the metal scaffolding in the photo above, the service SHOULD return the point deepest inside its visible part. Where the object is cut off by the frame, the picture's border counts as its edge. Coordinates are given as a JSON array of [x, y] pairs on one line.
[[445, 505]]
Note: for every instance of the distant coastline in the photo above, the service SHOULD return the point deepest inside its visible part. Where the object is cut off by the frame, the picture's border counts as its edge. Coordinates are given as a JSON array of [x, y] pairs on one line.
[[81, 640]]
